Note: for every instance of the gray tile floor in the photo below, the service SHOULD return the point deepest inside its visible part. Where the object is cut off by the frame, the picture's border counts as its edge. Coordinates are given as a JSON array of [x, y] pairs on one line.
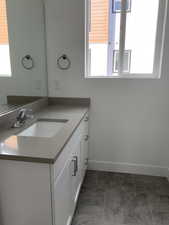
[[122, 199]]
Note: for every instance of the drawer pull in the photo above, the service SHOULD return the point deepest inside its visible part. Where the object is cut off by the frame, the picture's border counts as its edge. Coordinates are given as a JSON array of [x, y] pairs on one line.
[[75, 165]]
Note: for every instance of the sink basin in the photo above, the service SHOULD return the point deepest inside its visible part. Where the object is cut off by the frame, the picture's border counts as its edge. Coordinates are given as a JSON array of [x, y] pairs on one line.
[[43, 128]]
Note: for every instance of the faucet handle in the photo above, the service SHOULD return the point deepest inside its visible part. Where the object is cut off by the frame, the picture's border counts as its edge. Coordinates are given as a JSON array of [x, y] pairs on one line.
[[21, 114], [25, 114]]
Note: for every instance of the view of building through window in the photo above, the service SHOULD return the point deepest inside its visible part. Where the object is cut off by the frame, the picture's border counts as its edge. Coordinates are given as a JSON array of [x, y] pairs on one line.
[[141, 19], [5, 65]]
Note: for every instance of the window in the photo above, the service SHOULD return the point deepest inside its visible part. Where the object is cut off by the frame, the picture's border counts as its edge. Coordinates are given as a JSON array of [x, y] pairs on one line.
[[127, 61], [5, 65], [124, 38]]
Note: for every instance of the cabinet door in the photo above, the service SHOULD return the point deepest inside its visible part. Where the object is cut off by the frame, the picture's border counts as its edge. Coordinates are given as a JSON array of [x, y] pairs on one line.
[[76, 173], [62, 196]]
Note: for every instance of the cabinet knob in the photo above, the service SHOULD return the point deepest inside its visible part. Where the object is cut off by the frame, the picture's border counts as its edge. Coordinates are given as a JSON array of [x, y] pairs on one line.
[[86, 119], [86, 137]]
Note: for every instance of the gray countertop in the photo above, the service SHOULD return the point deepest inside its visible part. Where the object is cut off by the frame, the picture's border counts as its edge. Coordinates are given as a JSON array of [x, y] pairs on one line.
[[41, 149]]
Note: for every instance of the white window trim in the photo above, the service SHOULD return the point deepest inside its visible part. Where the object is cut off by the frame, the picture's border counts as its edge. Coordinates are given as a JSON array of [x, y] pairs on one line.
[[158, 57]]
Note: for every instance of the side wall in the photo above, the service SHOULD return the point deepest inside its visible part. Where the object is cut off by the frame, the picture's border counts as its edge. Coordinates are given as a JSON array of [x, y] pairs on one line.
[[129, 118]]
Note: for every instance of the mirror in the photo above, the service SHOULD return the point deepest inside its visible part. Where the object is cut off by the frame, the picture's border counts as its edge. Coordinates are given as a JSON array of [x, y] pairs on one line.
[[22, 49]]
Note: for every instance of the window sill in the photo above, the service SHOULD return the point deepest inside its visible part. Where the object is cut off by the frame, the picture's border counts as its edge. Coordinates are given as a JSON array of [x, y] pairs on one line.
[[124, 77], [5, 76]]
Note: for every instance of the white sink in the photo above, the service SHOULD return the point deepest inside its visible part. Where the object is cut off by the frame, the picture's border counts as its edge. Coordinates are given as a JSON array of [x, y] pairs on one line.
[[43, 128]]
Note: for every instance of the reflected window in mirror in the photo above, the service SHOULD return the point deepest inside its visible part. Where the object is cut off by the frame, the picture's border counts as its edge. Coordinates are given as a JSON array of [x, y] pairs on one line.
[[5, 64]]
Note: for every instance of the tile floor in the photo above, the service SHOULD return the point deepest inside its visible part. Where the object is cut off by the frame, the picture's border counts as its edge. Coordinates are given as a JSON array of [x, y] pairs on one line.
[[122, 199]]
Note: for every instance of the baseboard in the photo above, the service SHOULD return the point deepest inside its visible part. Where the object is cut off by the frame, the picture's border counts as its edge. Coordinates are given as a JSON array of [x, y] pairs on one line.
[[129, 168]]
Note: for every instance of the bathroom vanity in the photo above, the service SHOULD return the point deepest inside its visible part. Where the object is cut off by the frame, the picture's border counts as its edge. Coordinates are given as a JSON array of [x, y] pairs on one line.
[[41, 171]]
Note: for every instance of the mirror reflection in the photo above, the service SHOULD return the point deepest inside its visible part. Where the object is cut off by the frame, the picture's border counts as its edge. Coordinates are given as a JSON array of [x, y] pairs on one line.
[[22, 49]]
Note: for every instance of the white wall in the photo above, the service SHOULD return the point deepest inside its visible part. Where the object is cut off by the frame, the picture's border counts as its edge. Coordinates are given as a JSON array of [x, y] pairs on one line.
[[27, 36], [129, 118]]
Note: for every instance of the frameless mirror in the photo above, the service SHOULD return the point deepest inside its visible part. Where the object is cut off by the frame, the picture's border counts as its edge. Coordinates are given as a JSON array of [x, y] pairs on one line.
[[22, 49]]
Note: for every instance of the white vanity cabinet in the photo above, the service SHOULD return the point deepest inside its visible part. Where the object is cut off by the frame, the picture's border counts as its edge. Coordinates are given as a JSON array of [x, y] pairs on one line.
[[34, 193], [72, 165]]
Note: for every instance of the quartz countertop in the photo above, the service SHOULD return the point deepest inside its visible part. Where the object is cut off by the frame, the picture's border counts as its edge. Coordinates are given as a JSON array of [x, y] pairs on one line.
[[41, 149]]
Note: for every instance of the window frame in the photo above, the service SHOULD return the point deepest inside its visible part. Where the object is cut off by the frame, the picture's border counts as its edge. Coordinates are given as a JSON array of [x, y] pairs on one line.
[[118, 11], [159, 44]]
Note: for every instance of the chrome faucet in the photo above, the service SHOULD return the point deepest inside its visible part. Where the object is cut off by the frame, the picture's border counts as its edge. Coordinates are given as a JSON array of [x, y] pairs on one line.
[[22, 116]]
